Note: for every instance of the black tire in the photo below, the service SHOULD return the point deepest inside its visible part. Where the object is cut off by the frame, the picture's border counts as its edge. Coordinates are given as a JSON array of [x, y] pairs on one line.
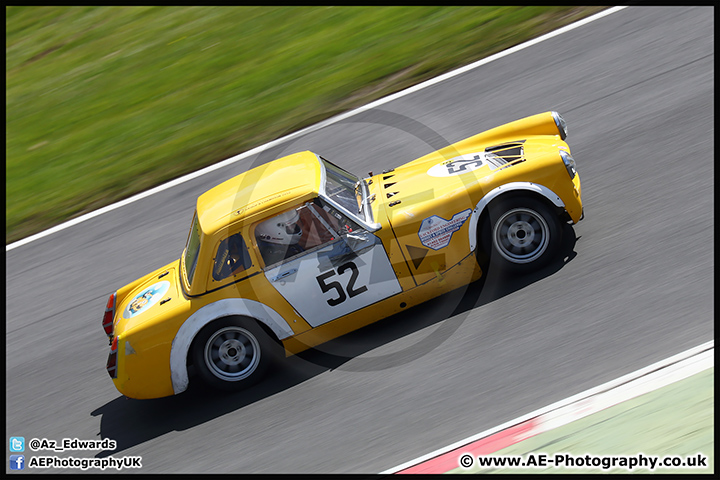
[[233, 353], [521, 234]]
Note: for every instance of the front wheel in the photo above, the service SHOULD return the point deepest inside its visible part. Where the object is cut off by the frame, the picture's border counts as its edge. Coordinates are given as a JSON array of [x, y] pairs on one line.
[[522, 234], [233, 353]]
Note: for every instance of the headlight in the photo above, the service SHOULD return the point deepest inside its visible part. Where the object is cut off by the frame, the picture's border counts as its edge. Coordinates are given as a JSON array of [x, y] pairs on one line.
[[569, 162], [561, 125]]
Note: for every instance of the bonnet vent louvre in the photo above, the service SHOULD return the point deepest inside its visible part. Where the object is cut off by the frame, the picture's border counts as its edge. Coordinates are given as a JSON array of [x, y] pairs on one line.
[[506, 154]]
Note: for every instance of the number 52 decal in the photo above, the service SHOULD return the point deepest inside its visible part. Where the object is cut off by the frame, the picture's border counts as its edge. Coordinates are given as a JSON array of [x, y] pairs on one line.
[[334, 285]]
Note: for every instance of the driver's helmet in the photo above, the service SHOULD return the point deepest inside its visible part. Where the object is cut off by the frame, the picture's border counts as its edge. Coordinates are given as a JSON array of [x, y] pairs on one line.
[[281, 230]]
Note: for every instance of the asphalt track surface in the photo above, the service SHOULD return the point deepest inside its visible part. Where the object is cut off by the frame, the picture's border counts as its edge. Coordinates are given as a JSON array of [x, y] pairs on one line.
[[634, 284]]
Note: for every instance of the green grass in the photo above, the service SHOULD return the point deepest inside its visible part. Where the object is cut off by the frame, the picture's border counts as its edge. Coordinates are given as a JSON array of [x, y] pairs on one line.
[[104, 102]]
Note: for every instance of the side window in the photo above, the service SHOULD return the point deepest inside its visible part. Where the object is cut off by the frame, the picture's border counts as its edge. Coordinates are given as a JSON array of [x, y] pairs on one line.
[[305, 229], [232, 257], [342, 224], [294, 232], [353, 239], [318, 227]]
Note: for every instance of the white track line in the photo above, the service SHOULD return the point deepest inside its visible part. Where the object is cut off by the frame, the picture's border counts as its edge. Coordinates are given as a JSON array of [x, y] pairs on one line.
[[693, 361], [311, 128]]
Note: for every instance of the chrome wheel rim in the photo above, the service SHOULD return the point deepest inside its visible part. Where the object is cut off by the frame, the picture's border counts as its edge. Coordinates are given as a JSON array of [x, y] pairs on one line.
[[521, 235], [232, 354]]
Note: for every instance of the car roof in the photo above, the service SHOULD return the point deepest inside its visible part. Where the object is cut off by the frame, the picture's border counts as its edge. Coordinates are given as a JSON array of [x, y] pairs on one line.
[[265, 188]]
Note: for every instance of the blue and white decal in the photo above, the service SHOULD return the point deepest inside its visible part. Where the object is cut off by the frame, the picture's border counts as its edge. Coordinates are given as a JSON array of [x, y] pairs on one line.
[[435, 232], [458, 165], [146, 299]]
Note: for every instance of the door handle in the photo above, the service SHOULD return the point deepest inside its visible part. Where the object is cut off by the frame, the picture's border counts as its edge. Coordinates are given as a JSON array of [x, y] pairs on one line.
[[284, 274]]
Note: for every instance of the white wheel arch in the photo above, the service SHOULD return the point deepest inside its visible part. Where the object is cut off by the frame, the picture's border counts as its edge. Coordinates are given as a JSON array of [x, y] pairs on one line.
[[492, 194], [222, 308]]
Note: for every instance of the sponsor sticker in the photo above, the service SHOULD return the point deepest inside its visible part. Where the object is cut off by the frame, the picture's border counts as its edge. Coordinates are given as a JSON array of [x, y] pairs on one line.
[[435, 232], [146, 299], [458, 165]]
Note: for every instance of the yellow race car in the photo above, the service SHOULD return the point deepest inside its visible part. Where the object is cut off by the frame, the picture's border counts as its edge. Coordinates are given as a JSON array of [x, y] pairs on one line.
[[299, 251]]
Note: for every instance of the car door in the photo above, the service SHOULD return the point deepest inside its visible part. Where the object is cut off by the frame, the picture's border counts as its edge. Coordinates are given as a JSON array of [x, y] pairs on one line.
[[335, 268]]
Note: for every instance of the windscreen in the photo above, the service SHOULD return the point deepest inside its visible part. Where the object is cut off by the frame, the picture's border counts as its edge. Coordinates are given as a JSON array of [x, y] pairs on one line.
[[340, 187]]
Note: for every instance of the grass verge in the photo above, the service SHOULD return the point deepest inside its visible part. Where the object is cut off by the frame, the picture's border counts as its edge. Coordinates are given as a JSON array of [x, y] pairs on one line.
[[105, 102]]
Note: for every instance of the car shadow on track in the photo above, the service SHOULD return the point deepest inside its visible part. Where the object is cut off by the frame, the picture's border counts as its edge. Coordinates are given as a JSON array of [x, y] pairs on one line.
[[133, 422]]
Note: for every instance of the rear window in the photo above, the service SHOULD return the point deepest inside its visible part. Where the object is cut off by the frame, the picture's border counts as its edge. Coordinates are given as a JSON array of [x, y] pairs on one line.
[[191, 250]]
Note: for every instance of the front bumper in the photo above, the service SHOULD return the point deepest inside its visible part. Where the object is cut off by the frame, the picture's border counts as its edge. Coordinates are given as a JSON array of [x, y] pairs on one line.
[[573, 204]]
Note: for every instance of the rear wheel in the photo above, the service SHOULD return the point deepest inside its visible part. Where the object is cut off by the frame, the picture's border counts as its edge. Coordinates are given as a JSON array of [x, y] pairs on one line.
[[233, 353], [521, 234]]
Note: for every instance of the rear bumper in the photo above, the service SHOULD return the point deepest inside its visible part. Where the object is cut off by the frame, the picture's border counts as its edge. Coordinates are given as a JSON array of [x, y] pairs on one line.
[[141, 376]]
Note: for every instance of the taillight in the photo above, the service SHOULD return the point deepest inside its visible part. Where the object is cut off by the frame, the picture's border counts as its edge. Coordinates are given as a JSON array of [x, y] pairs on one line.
[[112, 359], [109, 314]]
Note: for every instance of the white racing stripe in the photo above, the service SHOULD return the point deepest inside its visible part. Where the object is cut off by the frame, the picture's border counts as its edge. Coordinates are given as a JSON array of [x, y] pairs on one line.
[[311, 128]]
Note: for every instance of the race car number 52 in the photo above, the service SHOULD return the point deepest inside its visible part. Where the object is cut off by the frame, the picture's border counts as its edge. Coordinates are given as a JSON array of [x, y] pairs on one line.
[[334, 285]]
